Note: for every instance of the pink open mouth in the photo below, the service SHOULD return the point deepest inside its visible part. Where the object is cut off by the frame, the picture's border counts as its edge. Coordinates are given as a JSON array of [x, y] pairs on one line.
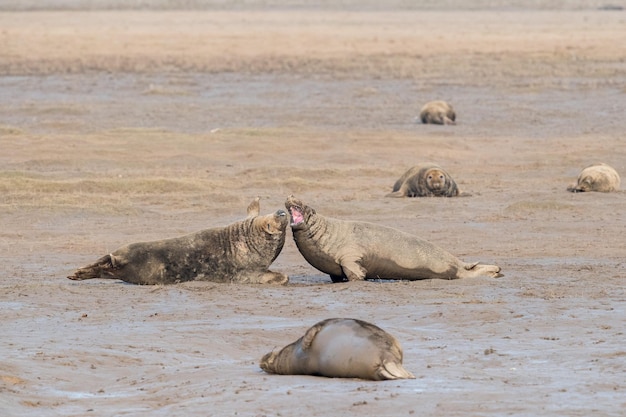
[[296, 216]]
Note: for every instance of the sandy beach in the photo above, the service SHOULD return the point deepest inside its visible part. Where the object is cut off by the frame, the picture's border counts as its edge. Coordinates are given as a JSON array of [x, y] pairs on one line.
[[125, 124]]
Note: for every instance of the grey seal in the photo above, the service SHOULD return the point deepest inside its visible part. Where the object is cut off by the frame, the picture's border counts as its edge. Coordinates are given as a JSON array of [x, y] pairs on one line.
[[340, 348], [438, 112], [353, 250], [240, 252], [597, 177]]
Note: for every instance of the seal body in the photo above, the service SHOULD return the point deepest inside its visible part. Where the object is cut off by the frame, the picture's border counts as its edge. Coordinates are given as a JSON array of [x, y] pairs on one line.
[[340, 348], [598, 177], [240, 252], [425, 180], [438, 112], [350, 250]]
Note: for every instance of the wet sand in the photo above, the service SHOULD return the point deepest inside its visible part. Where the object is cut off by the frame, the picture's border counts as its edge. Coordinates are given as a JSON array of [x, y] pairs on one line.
[[125, 126]]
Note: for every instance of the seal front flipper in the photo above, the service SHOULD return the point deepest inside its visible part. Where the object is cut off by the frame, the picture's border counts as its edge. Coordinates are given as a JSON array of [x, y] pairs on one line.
[[102, 268], [396, 194], [352, 269], [448, 121], [309, 336], [393, 370]]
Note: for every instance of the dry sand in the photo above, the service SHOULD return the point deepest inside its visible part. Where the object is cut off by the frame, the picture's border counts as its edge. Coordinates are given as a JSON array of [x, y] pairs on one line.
[[122, 126]]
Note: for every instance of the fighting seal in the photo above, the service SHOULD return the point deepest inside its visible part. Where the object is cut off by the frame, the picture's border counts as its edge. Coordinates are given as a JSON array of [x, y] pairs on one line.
[[597, 177], [438, 112], [352, 250], [340, 348], [425, 180], [240, 252]]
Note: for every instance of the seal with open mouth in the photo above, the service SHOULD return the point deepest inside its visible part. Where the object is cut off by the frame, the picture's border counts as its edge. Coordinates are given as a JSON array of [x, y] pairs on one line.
[[352, 250]]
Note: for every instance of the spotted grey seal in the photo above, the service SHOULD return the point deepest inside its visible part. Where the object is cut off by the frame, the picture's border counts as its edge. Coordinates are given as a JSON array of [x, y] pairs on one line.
[[352, 250], [340, 348], [240, 252]]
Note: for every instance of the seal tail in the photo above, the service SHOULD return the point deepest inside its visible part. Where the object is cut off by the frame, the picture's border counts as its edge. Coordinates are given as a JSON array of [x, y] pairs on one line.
[[102, 268], [394, 370]]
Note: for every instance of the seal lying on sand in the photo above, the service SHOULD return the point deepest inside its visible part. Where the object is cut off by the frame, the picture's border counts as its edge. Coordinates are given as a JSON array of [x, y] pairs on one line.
[[598, 177], [240, 252], [425, 180], [438, 112], [340, 348], [358, 250]]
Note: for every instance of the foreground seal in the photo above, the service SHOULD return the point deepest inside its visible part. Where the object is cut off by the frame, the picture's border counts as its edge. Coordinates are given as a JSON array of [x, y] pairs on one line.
[[358, 250], [340, 348], [598, 177], [240, 252], [438, 112], [425, 180]]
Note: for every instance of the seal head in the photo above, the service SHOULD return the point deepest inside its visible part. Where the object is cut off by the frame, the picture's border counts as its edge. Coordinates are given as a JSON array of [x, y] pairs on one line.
[[300, 213]]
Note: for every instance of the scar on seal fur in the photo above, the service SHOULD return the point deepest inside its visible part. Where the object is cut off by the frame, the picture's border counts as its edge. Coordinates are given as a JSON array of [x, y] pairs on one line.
[[240, 252], [597, 177], [438, 112], [353, 250], [426, 180], [340, 348]]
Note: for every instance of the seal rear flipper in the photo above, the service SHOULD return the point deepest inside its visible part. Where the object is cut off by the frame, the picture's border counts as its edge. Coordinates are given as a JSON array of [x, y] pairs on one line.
[[102, 268], [393, 370], [477, 269], [254, 208]]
